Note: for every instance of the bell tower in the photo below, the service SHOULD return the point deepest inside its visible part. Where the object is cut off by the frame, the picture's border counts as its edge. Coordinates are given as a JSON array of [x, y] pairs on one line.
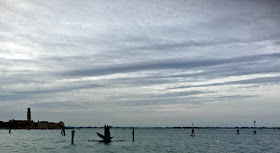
[[28, 115]]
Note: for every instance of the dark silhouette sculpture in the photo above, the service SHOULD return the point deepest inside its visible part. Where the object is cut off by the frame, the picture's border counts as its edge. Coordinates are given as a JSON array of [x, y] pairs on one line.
[[106, 137]]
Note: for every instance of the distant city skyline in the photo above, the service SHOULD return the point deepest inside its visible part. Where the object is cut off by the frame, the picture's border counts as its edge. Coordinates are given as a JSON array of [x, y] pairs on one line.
[[28, 123], [141, 63]]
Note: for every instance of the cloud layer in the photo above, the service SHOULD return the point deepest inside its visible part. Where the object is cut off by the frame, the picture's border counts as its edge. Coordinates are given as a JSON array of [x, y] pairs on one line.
[[142, 63]]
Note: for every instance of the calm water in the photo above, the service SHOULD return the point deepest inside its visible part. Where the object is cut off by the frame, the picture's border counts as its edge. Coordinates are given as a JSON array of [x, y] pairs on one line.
[[146, 140]]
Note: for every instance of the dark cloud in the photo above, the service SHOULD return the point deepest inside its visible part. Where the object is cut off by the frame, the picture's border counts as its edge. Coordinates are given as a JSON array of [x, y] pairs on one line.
[[59, 105], [277, 43], [191, 99], [161, 45], [168, 64], [262, 80], [59, 89], [52, 90], [41, 93], [17, 97], [216, 72], [233, 97], [163, 101]]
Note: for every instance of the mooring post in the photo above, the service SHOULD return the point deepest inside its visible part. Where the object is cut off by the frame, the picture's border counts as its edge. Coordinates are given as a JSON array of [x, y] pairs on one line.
[[10, 130], [132, 134], [63, 131], [193, 134], [73, 134], [254, 132]]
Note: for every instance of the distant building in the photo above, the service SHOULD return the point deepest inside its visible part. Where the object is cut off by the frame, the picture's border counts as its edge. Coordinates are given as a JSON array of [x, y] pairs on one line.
[[53, 125], [43, 125], [50, 125], [29, 124], [61, 124]]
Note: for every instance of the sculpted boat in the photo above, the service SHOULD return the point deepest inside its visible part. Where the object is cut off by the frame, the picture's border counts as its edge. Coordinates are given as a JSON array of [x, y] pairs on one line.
[[106, 137]]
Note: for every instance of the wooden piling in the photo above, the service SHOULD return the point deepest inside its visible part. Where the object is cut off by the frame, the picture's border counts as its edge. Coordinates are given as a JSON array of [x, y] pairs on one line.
[[132, 134], [63, 131], [254, 132], [73, 134], [10, 130], [192, 131], [193, 134]]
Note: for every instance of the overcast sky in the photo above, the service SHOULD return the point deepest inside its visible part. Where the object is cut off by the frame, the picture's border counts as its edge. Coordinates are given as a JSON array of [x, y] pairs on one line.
[[141, 63]]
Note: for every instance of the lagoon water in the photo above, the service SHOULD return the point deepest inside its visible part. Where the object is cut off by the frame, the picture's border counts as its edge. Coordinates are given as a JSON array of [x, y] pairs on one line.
[[146, 140]]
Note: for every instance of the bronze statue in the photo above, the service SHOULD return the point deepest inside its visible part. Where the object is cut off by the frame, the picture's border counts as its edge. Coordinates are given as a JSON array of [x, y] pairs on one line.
[[106, 137]]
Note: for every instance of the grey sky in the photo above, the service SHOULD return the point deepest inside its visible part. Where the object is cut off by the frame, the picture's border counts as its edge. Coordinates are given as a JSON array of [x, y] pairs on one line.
[[141, 63]]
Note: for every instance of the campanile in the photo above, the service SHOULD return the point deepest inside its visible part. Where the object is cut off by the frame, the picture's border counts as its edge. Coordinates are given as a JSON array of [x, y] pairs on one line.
[[28, 115]]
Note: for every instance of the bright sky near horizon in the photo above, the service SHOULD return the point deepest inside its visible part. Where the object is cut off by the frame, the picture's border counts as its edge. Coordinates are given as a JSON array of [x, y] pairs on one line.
[[141, 62]]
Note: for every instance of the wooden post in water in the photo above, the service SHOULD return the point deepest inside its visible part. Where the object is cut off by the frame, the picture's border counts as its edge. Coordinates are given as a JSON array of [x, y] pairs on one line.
[[10, 130], [254, 132], [193, 134], [63, 131], [237, 132], [73, 134], [132, 134]]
